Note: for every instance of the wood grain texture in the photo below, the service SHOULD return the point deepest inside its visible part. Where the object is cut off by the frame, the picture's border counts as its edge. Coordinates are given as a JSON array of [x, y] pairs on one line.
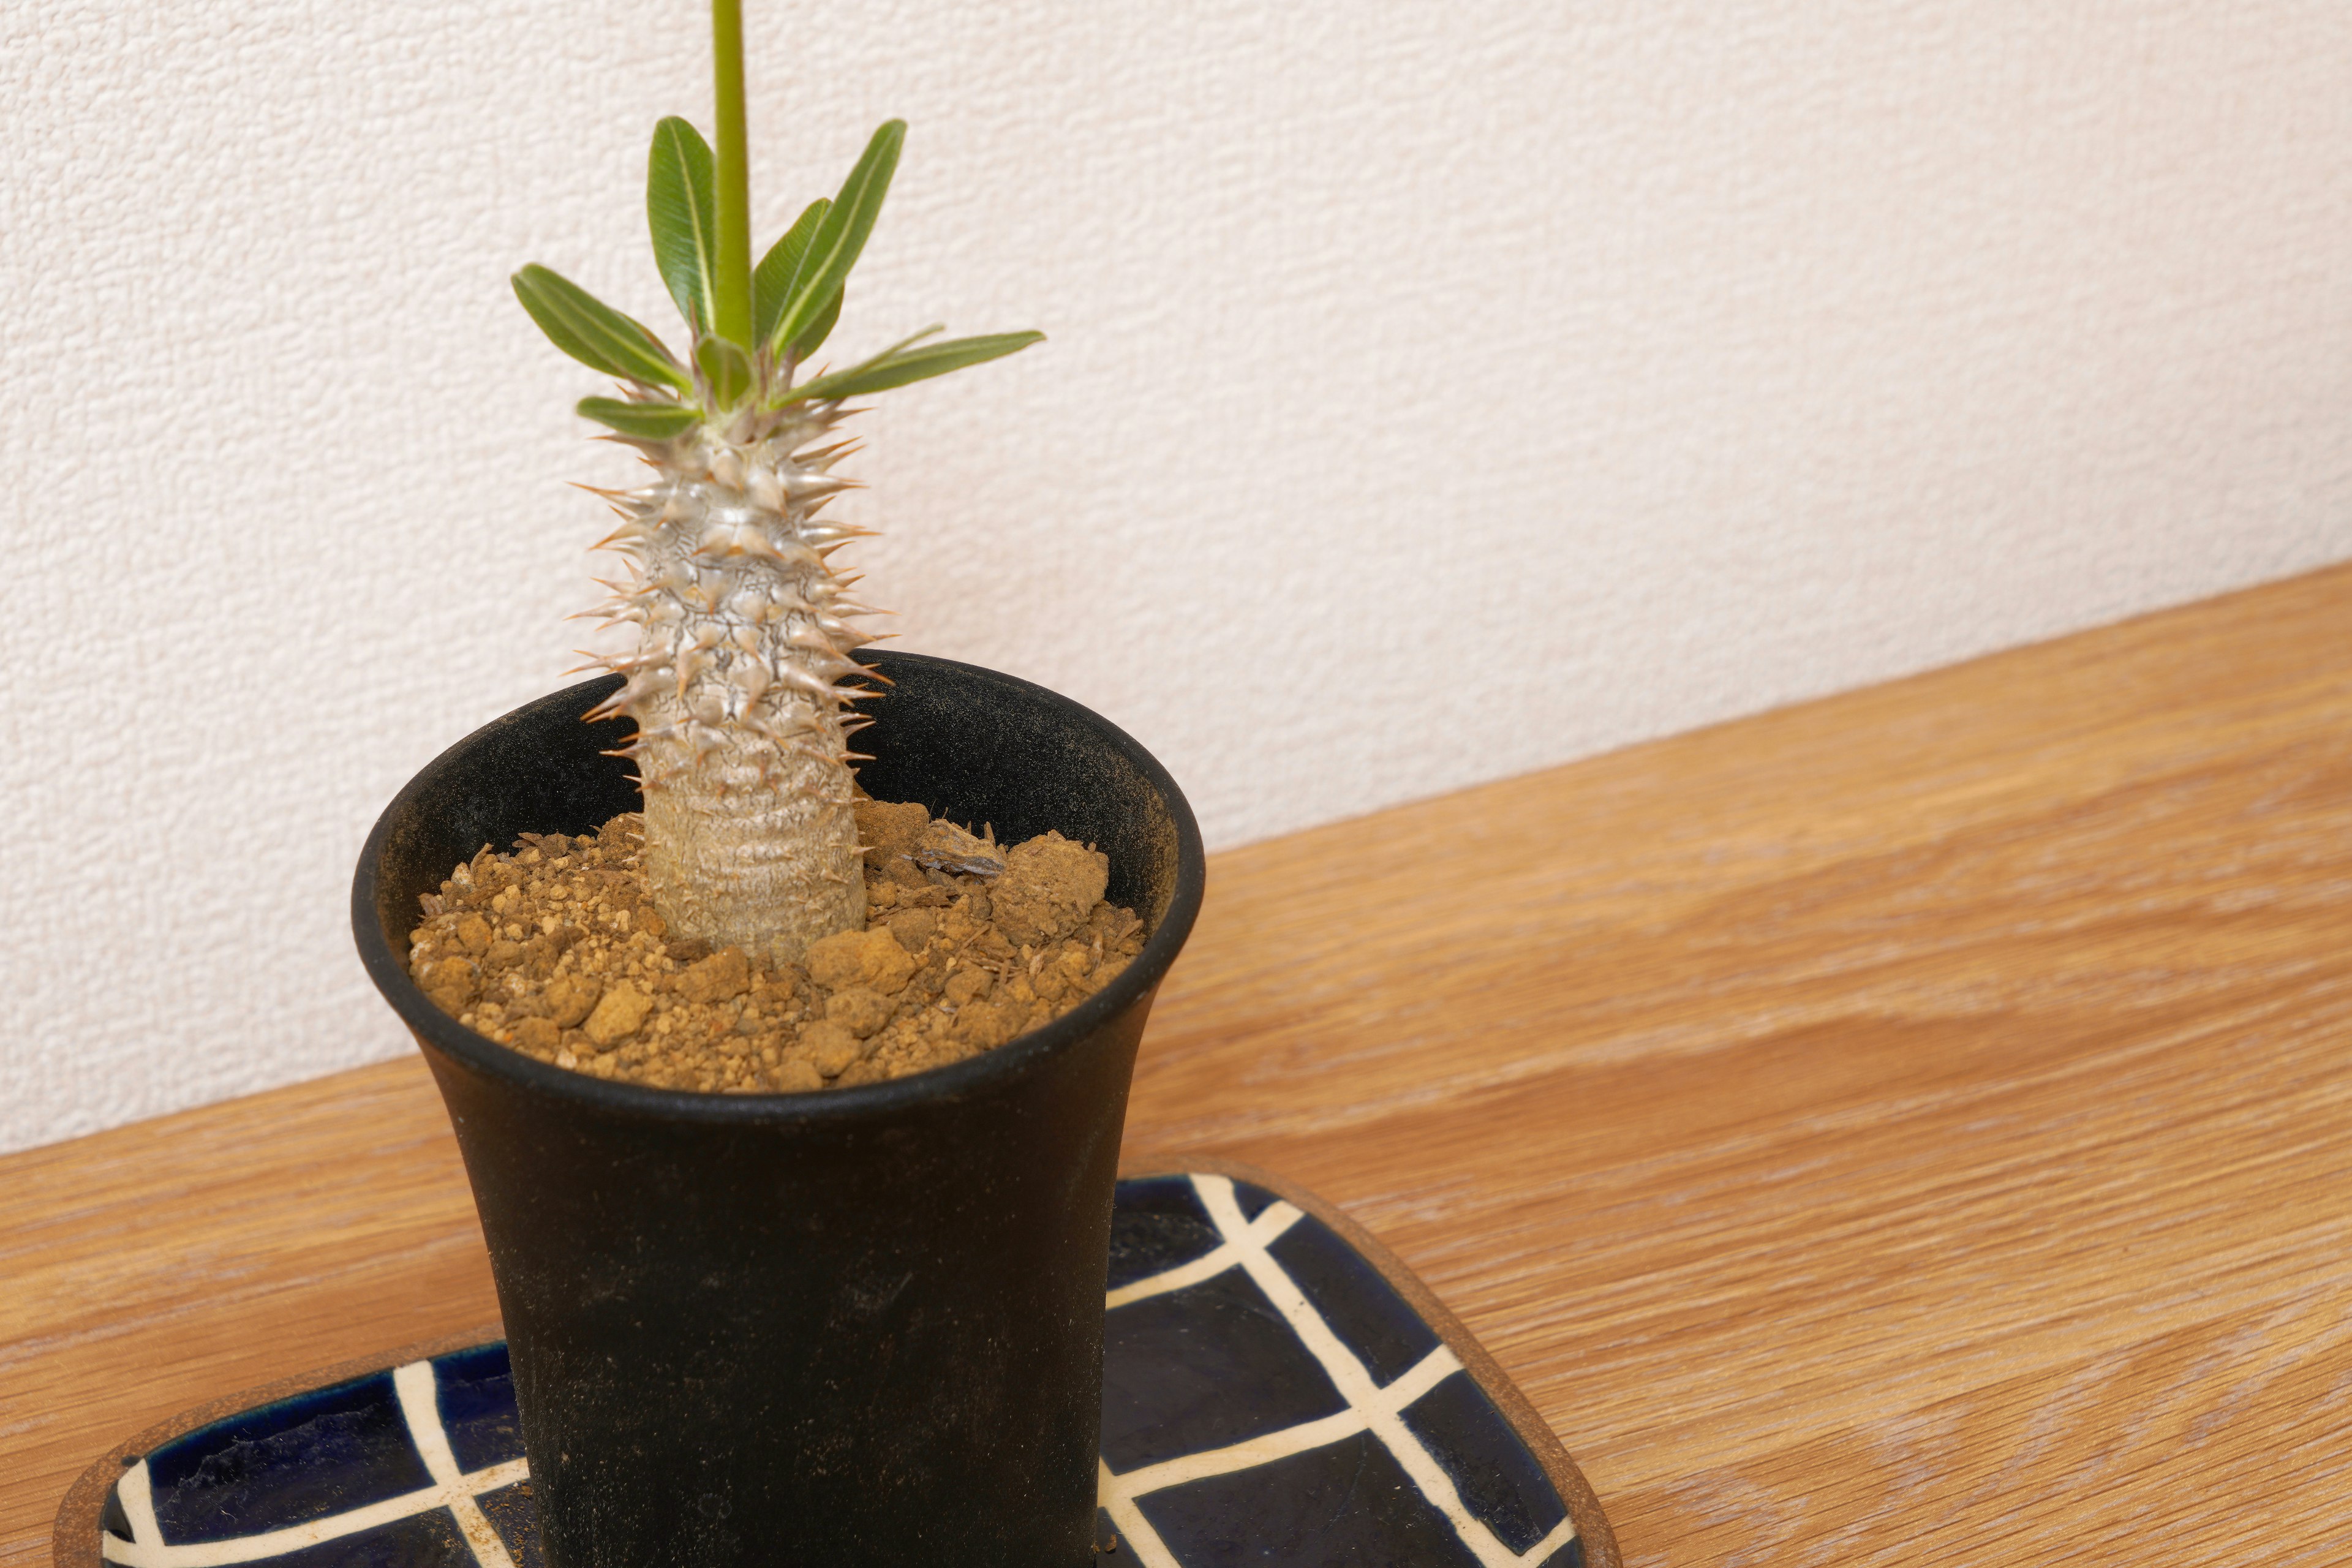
[[1918, 1122]]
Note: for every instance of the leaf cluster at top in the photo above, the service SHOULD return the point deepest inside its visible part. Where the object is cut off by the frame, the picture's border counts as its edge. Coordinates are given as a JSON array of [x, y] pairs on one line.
[[796, 298]]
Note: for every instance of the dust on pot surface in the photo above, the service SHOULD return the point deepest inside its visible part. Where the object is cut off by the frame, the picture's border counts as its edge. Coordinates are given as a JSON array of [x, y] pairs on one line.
[[849, 1326]]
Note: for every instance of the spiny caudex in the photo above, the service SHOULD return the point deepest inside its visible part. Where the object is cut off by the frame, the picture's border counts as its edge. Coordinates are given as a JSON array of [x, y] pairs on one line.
[[744, 630]]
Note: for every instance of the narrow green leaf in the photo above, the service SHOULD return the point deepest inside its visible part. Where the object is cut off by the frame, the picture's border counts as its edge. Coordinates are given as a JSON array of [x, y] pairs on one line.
[[641, 421], [897, 366], [682, 210], [809, 342], [779, 270], [901, 346], [726, 369], [834, 249], [594, 332]]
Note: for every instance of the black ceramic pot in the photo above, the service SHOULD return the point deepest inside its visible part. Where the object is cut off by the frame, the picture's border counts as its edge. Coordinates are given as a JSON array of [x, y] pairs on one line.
[[854, 1326]]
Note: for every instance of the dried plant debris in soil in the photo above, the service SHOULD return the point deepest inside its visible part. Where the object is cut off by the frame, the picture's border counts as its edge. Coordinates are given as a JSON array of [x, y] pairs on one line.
[[555, 950]]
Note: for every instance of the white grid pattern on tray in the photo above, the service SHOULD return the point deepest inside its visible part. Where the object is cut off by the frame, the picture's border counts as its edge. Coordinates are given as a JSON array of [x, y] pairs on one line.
[[1243, 1243], [420, 1406], [1371, 1407]]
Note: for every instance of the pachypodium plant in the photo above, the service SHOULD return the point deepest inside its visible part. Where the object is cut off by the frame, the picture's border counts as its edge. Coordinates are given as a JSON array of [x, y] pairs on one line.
[[744, 630]]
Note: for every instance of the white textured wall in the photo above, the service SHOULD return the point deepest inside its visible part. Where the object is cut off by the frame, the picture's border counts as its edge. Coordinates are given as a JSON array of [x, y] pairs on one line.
[[1436, 391]]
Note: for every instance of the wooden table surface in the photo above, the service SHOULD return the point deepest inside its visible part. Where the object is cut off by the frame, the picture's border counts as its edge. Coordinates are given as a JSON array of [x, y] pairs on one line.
[[1906, 1126]]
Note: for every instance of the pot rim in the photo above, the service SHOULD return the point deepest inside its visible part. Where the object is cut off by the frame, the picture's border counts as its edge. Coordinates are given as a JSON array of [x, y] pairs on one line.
[[438, 1030]]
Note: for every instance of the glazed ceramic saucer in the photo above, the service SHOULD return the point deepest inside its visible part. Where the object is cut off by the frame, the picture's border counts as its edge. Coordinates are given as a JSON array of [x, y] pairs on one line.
[[1277, 1390]]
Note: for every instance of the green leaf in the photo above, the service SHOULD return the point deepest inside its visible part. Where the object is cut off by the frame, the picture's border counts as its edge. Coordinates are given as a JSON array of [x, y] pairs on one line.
[[594, 332], [682, 210], [642, 421], [726, 369], [897, 366], [779, 271], [809, 342], [796, 393], [841, 235]]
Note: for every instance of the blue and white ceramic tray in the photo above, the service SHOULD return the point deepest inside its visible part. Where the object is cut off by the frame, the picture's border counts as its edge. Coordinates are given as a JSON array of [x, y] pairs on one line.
[[1278, 1389]]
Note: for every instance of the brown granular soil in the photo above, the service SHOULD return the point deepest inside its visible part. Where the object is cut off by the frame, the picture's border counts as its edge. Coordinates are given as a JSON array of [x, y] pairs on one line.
[[555, 950]]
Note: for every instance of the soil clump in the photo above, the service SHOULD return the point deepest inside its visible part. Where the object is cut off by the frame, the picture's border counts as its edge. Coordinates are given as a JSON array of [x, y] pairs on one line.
[[555, 950]]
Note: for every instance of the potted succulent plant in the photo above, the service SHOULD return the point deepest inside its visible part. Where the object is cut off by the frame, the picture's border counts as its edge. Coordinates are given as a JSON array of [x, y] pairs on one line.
[[855, 1325]]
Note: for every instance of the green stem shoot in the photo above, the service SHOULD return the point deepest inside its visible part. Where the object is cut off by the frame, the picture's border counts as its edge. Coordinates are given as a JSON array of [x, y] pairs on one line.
[[731, 310]]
